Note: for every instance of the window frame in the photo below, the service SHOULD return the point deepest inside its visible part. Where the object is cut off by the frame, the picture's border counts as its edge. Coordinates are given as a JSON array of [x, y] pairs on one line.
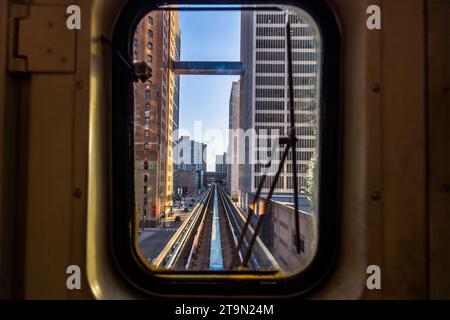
[[191, 283]]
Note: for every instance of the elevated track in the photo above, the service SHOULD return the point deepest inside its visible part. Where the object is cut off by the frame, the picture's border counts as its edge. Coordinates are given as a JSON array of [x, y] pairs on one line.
[[208, 238]]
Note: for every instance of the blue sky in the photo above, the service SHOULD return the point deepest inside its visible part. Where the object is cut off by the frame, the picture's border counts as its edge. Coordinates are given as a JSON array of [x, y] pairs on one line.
[[208, 36]]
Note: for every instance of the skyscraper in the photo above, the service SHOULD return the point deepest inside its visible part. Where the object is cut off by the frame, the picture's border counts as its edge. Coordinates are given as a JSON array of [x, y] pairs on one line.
[[264, 99], [156, 41], [233, 141], [221, 162], [189, 161], [190, 154], [172, 29]]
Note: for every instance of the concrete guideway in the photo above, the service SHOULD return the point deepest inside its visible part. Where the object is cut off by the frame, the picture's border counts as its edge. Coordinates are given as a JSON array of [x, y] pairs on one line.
[[215, 255], [207, 238]]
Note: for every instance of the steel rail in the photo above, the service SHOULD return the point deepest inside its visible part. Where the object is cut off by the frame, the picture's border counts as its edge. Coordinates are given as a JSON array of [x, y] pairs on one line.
[[198, 233], [233, 224], [167, 256], [184, 237], [235, 214]]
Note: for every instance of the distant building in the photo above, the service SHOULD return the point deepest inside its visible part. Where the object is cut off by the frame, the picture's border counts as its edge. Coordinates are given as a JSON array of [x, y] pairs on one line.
[[221, 162], [233, 142], [189, 163], [186, 182], [210, 177], [190, 154]]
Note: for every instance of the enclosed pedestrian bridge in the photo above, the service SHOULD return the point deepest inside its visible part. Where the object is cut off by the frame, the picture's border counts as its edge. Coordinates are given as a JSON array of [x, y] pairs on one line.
[[207, 67]]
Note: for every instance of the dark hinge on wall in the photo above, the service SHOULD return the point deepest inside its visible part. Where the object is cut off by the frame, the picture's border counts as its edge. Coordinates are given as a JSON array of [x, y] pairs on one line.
[[39, 40], [16, 62]]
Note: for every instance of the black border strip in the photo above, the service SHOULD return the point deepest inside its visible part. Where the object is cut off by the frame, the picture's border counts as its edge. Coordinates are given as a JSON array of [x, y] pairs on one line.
[[122, 247]]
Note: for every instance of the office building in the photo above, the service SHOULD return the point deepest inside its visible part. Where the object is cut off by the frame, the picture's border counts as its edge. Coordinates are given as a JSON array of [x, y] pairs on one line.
[[189, 164], [264, 98], [233, 142], [211, 177], [186, 182], [190, 154], [156, 41], [221, 162]]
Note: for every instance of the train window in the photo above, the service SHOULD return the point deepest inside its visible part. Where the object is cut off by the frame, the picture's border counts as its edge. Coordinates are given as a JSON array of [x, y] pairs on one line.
[[234, 182]]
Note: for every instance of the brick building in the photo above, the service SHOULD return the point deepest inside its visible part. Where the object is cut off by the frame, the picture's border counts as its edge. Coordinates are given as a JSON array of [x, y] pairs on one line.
[[156, 41]]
